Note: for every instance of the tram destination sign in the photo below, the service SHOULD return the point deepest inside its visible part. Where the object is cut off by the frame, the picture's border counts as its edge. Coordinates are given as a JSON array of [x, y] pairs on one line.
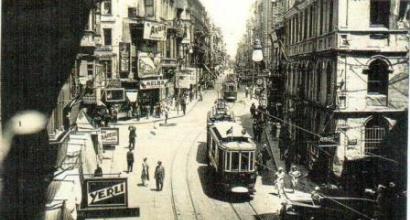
[[106, 193]]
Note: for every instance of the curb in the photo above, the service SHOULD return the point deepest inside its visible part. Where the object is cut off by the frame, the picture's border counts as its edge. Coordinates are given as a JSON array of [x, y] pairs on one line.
[[157, 120]]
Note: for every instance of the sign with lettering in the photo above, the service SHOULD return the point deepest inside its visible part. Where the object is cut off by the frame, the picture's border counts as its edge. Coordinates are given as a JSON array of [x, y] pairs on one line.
[[152, 84], [110, 136], [155, 31], [103, 192]]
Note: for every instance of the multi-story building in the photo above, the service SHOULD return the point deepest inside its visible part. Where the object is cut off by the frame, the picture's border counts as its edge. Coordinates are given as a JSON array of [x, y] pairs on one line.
[[346, 81]]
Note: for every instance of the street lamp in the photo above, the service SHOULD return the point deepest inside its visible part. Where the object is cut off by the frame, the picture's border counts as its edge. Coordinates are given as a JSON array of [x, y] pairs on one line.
[[257, 56]]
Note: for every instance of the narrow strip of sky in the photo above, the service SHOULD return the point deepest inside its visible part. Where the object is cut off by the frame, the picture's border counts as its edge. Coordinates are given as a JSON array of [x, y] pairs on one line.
[[230, 16]]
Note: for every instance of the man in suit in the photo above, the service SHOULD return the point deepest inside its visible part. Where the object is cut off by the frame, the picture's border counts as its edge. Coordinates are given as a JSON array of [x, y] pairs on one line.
[[159, 175], [130, 160]]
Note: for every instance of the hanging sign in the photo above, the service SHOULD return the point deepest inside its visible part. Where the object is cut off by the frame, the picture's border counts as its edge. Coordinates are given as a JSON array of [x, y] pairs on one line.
[[152, 84], [155, 31], [110, 136], [106, 193]]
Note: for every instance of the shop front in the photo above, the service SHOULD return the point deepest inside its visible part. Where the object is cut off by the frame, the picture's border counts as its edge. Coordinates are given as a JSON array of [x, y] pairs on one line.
[[150, 95]]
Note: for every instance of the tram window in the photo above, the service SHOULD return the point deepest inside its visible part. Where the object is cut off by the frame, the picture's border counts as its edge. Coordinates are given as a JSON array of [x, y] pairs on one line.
[[227, 161], [235, 161], [220, 159], [244, 161], [251, 160]]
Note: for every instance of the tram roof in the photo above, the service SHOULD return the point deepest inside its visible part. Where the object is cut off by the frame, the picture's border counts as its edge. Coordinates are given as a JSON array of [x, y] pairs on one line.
[[222, 128]]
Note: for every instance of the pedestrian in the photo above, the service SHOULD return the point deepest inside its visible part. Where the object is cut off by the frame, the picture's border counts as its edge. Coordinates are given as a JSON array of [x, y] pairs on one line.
[[144, 172], [177, 102], [131, 137], [253, 110], [294, 174], [191, 96], [98, 171], [183, 105], [255, 130], [246, 91], [159, 176], [381, 204], [165, 111], [260, 162], [265, 154], [288, 161], [130, 160], [258, 132], [315, 195], [200, 96], [280, 182]]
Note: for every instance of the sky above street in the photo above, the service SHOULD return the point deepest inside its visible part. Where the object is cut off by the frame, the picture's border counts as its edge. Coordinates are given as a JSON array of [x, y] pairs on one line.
[[230, 16]]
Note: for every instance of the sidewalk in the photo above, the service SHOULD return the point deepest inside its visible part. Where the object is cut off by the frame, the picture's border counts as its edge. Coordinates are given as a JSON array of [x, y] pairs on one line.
[[305, 184], [172, 113]]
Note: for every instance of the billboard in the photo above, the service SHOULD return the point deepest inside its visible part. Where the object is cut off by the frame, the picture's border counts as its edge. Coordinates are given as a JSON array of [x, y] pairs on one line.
[[110, 136], [106, 193]]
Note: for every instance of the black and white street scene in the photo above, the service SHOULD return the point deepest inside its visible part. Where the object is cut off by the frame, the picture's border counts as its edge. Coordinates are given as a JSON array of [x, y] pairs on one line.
[[204, 109]]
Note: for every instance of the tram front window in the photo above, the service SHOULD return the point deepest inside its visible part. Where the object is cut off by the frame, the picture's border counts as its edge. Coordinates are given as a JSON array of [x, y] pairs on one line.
[[244, 161], [235, 161]]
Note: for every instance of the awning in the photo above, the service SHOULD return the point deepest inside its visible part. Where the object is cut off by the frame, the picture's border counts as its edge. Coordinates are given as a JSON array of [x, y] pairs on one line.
[[212, 73], [83, 122], [132, 95]]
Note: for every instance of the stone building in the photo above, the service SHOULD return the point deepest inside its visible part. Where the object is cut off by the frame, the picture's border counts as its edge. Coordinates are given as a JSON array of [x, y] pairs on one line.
[[346, 69]]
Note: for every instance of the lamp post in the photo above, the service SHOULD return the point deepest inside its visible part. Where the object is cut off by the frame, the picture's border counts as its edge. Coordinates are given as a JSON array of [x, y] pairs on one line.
[[257, 56]]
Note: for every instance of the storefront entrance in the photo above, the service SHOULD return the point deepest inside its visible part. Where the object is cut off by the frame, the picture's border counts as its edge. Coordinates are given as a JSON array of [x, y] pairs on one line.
[[149, 102]]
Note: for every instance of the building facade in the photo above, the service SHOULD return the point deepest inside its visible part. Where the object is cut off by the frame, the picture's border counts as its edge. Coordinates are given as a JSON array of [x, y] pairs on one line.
[[346, 81]]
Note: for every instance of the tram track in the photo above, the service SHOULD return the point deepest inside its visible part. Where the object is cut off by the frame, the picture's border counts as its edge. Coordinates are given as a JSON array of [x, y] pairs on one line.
[[240, 215], [175, 208]]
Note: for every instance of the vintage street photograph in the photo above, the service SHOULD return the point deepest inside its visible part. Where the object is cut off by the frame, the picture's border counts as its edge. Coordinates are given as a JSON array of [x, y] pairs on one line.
[[204, 109]]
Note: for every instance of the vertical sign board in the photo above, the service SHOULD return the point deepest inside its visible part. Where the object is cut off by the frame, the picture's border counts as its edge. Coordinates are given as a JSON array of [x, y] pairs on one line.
[[110, 136], [124, 57], [106, 193]]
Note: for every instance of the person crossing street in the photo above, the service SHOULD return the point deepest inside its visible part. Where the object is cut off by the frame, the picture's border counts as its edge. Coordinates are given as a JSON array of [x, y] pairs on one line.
[[145, 172]]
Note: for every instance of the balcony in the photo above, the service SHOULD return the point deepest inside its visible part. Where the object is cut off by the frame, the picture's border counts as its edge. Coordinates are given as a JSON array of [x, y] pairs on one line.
[[88, 39], [169, 62]]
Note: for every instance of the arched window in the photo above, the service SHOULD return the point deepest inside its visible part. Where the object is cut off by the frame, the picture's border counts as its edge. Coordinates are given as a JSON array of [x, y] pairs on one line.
[[378, 78], [375, 131]]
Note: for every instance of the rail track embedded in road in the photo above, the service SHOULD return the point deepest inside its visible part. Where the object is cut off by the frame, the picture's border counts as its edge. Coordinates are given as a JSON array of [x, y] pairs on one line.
[[238, 214], [174, 205]]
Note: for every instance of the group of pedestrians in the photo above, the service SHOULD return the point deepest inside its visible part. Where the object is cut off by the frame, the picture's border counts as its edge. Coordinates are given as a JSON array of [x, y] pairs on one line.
[[159, 173], [259, 119]]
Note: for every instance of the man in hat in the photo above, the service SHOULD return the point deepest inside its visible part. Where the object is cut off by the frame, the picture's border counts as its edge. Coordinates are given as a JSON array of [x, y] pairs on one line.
[[159, 175], [294, 174], [131, 137]]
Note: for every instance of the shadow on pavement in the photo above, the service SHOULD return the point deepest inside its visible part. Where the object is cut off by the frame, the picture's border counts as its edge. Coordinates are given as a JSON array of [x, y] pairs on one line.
[[201, 153], [215, 191]]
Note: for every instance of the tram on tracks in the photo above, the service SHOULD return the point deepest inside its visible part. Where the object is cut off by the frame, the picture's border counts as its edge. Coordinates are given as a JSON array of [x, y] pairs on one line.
[[231, 156], [230, 88]]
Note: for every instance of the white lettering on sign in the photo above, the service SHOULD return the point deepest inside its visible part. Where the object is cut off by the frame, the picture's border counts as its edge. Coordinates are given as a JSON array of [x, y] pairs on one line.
[[106, 193], [152, 84]]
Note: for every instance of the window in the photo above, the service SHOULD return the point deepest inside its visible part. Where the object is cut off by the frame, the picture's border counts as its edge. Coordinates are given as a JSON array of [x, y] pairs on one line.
[[330, 15], [375, 131], [132, 12], [90, 69], [378, 77], [106, 8], [251, 161], [227, 161], [149, 8], [244, 161], [379, 12], [321, 21], [107, 36], [107, 68], [235, 161]]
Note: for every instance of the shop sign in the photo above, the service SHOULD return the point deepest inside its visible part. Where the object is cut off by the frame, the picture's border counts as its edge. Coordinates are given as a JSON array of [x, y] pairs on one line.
[[110, 136], [106, 193], [152, 84], [124, 57], [155, 31]]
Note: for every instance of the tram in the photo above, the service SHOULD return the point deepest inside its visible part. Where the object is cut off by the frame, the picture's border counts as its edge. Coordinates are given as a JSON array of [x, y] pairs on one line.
[[230, 88], [231, 157]]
